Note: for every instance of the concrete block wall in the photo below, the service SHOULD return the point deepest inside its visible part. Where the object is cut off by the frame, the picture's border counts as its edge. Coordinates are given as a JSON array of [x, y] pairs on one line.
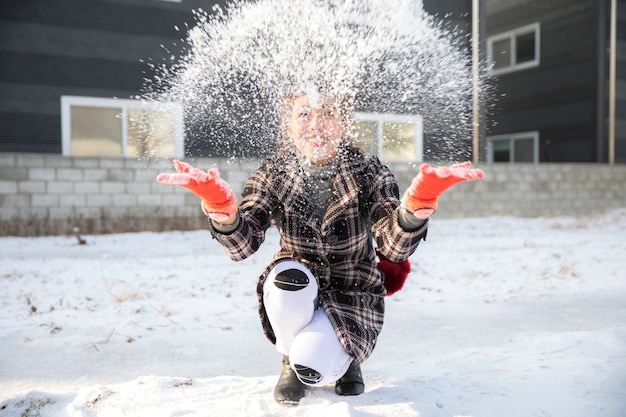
[[532, 190], [52, 194]]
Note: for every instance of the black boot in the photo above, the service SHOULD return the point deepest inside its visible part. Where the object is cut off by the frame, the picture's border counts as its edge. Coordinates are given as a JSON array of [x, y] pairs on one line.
[[351, 383], [289, 390]]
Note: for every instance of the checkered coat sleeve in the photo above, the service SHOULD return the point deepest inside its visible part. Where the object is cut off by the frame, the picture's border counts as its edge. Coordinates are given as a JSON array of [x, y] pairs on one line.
[[340, 252]]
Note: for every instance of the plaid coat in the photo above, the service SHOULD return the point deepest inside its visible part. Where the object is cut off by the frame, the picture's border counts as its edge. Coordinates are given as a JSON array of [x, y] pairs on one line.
[[340, 253]]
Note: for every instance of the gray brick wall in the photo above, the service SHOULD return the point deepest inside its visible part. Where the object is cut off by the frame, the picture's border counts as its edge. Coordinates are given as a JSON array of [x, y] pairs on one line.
[[52, 194]]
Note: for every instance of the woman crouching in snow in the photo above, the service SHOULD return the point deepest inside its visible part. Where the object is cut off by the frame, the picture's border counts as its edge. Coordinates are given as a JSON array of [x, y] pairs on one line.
[[321, 300]]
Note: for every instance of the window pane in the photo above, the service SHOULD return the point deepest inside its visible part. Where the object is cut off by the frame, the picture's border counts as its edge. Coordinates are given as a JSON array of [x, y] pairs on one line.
[[525, 51], [398, 142], [96, 131], [367, 133], [501, 54], [501, 150], [150, 134], [524, 150]]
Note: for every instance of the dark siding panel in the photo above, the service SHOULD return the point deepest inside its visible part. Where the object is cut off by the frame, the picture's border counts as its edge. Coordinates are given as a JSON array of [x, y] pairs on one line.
[[620, 151], [527, 12], [69, 71], [542, 117], [85, 43], [457, 12], [559, 97], [24, 132], [44, 99], [50, 48], [96, 15], [547, 86], [620, 70], [569, 149]]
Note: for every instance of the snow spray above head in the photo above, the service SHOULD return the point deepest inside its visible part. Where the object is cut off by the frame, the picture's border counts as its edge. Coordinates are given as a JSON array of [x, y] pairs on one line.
[[238, 66]]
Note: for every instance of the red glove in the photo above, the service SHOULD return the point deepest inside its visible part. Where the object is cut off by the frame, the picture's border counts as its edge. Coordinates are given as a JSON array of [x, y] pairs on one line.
[[216, 194], [421, 196]]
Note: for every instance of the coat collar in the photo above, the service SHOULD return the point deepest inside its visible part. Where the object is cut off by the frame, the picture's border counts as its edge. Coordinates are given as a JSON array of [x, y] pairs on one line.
[[345, 186]]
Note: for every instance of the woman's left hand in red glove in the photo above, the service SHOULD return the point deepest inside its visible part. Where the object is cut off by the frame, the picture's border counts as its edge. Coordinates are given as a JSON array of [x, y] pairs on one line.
[[421, 198]]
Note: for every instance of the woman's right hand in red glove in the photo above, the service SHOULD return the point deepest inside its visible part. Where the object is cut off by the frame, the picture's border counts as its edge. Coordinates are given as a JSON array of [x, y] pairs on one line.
[[218, 200]]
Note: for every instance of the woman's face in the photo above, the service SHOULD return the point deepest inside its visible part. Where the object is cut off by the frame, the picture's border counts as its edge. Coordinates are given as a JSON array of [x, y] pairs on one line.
[[315, 126]]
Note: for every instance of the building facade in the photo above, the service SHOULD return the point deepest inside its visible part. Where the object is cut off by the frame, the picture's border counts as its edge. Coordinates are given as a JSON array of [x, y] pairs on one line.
[[91, 49], [550, 96], [551, 66]]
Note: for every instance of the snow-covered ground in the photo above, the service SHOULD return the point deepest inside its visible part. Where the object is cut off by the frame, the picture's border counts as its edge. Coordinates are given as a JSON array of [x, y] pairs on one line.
[[501, 316]]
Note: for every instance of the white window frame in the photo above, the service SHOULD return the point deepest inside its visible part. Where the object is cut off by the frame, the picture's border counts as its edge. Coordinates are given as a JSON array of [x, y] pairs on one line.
[[124, 105], [534, 135], [381, 118], [512, 36]]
